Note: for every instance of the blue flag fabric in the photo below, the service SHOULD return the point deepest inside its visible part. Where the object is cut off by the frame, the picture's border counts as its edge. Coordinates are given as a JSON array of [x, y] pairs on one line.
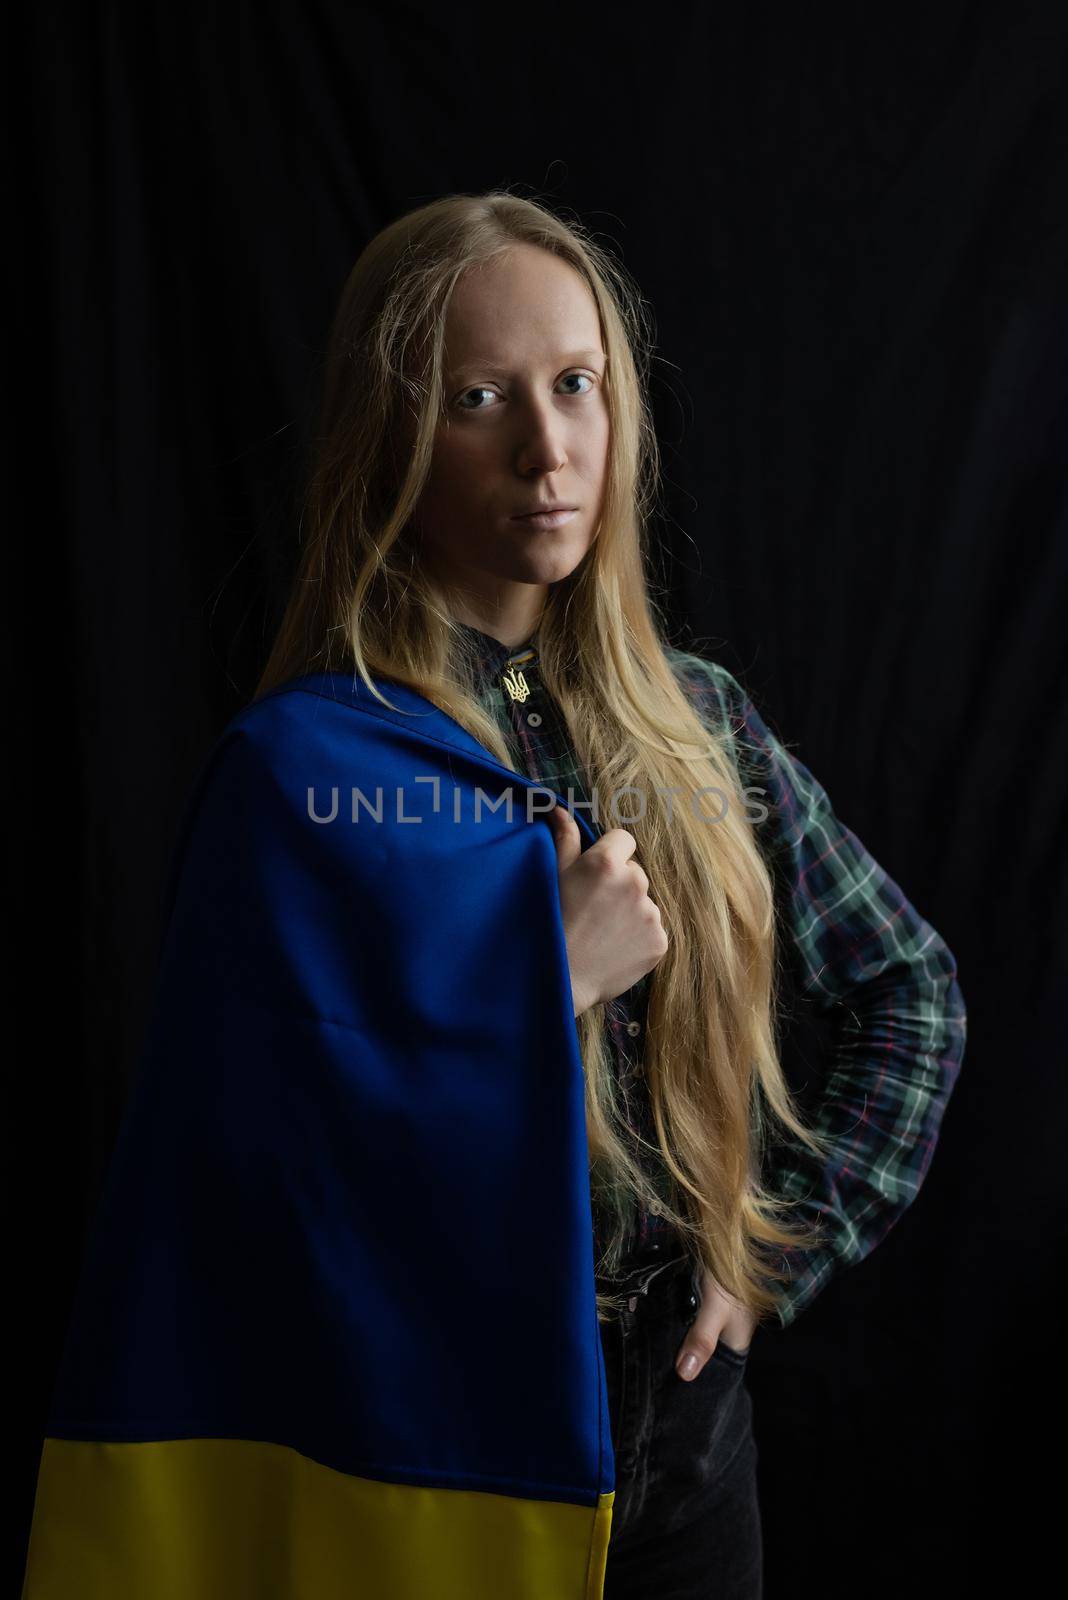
[[336, 1329]]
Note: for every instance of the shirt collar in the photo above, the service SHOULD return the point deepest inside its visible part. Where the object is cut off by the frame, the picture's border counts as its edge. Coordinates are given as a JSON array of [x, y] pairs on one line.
[[492, 655]]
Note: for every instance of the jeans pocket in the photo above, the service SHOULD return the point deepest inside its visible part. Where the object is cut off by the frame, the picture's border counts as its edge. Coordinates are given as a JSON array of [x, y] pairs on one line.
[[724, 1351], [727, 1352]]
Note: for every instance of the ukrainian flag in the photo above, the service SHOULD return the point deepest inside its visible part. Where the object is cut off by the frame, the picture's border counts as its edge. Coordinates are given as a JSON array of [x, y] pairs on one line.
[[336, 1331]]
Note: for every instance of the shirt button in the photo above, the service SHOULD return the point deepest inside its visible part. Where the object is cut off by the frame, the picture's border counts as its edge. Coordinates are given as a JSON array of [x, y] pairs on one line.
[[634, 1028], [534, 720]]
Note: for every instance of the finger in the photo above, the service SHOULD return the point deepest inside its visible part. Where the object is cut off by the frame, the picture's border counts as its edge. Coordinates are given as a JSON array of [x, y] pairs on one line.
[[696, 1348], [618, 843], [565, 837], [638, 872]]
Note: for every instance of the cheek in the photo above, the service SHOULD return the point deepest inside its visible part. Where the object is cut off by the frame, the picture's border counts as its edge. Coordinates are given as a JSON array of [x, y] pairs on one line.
[[595, 444], [445, 485], [451, 502], [456, 464]]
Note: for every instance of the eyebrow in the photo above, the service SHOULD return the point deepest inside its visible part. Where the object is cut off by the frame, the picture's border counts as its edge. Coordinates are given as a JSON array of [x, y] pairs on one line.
[[571, 359]]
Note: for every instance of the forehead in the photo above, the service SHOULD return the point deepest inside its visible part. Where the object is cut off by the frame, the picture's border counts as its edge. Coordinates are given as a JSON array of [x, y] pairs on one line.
[[526, 305]]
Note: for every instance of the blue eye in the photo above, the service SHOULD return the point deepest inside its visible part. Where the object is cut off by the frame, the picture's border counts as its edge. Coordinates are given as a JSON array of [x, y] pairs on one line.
[[481, 389], [478, 389], [577, 375]]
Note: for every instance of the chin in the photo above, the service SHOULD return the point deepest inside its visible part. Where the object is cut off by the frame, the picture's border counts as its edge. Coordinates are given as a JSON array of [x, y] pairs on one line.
[[560, 558], [545, 568]]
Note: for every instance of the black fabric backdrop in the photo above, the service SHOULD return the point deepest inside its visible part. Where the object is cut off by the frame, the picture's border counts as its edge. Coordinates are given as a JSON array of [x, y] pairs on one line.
[[852, 233]]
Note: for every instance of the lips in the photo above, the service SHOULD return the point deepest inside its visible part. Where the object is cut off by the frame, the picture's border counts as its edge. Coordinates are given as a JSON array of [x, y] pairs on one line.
[[547, 519], [542, 511]]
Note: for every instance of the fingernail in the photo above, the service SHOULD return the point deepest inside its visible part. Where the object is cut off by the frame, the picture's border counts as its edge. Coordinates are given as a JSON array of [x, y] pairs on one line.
[[687, 1366]]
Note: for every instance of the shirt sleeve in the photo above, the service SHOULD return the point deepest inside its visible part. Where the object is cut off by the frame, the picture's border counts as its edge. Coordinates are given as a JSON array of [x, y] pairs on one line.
[[861, 955]]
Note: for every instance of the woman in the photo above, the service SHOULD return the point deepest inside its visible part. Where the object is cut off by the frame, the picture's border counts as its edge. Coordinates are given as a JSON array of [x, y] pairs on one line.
[[473, 540], [516, 348]]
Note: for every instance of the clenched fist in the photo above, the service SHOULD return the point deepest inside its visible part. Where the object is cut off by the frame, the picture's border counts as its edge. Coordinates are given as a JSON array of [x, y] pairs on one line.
[[613, 930]]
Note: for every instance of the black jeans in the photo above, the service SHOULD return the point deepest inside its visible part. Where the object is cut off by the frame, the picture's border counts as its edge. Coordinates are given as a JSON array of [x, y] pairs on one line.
[[686, 1518]]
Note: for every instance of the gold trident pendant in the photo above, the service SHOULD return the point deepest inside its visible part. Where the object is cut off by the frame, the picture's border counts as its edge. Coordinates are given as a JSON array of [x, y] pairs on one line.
[[516, 684]]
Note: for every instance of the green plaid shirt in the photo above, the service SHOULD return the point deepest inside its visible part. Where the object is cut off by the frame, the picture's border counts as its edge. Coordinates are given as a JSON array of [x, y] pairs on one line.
[[854, 949]]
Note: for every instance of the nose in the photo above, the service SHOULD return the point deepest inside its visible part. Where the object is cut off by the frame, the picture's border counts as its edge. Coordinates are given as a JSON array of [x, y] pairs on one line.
[[542, 447]]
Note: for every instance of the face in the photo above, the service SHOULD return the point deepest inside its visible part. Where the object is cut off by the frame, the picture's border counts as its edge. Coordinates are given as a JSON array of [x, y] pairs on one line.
[[526, 423]]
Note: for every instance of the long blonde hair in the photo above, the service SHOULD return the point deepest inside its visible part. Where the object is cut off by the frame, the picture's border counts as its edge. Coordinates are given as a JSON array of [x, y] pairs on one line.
[[361, 602]]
